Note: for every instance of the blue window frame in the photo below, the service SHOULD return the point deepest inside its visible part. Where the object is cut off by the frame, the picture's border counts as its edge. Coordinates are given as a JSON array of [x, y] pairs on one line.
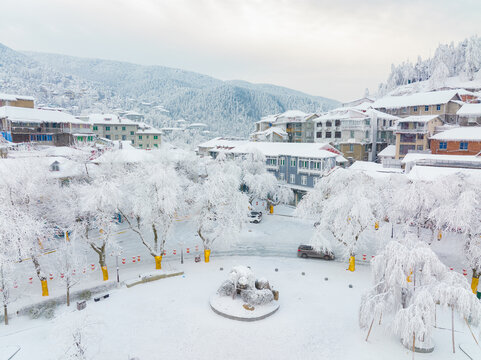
[[443, 145], [438, 107], [49, 137], [426, 108], [415, 108], [463, 145]]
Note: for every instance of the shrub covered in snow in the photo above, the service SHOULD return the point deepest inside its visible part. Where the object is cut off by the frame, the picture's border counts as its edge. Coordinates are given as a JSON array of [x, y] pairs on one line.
[[257, 297]]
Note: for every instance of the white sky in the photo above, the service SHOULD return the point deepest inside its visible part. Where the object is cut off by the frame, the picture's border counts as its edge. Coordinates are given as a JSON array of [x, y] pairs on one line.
[[328, 48]]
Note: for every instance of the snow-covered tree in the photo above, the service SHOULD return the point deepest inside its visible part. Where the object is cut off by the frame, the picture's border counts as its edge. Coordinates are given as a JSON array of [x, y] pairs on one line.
[[345, 204], [150, 209], [221, 208], [262, 184], [98, 202]]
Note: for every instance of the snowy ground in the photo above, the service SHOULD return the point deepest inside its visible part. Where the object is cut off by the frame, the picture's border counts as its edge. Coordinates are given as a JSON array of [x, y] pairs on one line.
[[171, 318]]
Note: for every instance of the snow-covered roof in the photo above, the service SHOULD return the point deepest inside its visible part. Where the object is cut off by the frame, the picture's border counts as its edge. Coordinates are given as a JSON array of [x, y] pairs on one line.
[[306, 150], [415, 157], [470, 109], [223, 142], [419, 118], [471, 133], [197, 125], [388, 151], [342, 113], [432, 173], [147, 129], [13, 97], [417, 99], [36, 115], [274, 129], [108, 119], [382, 115], [374, 170], [363, 106]]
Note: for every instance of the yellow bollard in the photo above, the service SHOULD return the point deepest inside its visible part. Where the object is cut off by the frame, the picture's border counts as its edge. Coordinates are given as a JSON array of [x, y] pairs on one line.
[[44, 287], [376, 225], [271, 209], [206, 255], [409, 278], [158, 262], [474, 285], [440, 235], [66, 236], [105, 273], [352, 263]]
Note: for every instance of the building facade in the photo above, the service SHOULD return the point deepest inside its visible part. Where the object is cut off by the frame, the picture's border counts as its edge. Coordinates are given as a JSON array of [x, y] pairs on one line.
[[17, 101], [413, 133], [458, 141]]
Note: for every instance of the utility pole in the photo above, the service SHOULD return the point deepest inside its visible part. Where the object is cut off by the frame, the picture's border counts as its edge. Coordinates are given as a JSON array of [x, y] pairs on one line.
[[117, 264]]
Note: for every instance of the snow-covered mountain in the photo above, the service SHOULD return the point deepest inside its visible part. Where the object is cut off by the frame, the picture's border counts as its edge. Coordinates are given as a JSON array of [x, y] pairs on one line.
[[85, 85]]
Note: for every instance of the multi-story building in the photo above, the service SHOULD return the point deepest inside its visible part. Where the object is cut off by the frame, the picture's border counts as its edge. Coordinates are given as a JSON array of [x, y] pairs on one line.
[[464, 140], [112, 127], [147, 137], [443, 104], [298, 166], [413, 133], [290, 126], [19, 124], [16, 101]]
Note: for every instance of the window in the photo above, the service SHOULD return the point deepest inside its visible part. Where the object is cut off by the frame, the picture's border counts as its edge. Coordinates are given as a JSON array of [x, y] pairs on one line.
[[147, 136], [420, 147], [107, 128], [116, 137], [107, 137], [156, 137], [140, 145], [328, 124], [95, 128], [156, 145], [131, 133], [315, 180], [124, 137], [317, 165], [132, 141], [328, 134], [282, 161], [293, 163], [303, 180], [282, 177], [443, 145], [415, 109], [367, 134], [319, 124], [351, 135], [438, 107], [463, 145], [426, 108], [338, 122], [319, 134], [49, 137], [292, 178], [337, 134], [140, 137], [116, 128], [303, 164], [351, 148], [123, 128], [384, 122], [271, 161]]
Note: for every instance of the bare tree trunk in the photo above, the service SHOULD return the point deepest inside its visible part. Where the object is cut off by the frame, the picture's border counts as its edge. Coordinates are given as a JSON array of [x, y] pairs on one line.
[[380, 318], [414, 342], [471, 331], [68, 296], [370, 328], [38, 269], [452, 327], [5, 313]]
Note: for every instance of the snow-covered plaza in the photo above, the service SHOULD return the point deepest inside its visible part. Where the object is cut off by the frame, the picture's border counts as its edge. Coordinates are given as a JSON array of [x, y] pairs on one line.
[[171, 318]]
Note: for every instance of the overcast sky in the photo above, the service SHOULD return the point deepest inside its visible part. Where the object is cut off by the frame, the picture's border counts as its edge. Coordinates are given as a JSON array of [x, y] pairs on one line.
[[328, 48]]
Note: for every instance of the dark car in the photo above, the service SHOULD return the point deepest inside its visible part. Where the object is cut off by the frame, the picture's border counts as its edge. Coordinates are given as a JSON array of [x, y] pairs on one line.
[[255, 217], [306, 251]]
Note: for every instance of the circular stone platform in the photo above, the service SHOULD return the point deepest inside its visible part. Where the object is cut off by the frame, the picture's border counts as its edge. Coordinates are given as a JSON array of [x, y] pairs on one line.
[[234, 309]]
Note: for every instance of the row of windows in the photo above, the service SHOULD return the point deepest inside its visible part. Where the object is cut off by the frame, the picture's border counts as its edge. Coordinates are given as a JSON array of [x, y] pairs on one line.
[[40, 137], [426, 108], [337, 134], [292, 179], [463, 145]]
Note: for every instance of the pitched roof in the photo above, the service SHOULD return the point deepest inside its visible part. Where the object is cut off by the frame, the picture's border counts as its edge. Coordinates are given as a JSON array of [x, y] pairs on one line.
[[417, 99], [419, 118], [36, 115], [470, 109], [472, 133], [388, 151], [12, 97], [106, 119]]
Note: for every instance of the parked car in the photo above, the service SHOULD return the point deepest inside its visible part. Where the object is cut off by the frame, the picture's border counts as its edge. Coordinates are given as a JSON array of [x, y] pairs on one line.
[[255, 217], [306, 251]]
